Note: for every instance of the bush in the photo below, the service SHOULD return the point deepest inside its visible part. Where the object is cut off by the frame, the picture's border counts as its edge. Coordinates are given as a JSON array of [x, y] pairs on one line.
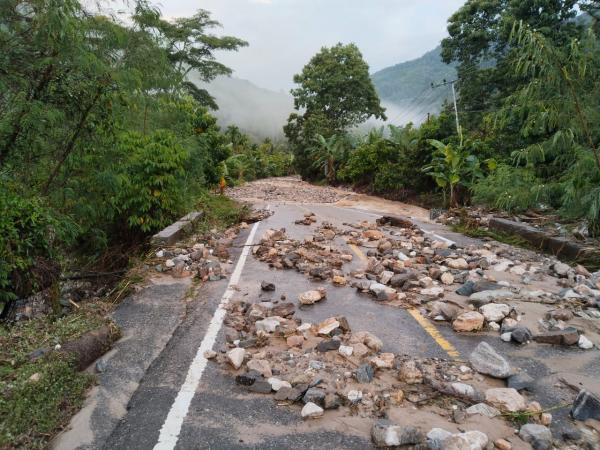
[[30, 234], [152, 188]]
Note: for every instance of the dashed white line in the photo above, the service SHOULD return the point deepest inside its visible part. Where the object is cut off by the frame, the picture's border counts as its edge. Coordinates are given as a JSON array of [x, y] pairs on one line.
[[169, 433]]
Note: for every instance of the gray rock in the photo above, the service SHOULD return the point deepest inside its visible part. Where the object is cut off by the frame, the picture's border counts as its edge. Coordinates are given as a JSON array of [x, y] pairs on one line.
[[328, 345], [561, 269], [484, 297], [332, 401], [466, 289], [521, 335], [568, 336], [586, 406], [520, 381], [266, 286], [364, 374], [483, 409], [436, 437], [101, 365], [538, 436], [484, 359], [386, 434], [314, 395]]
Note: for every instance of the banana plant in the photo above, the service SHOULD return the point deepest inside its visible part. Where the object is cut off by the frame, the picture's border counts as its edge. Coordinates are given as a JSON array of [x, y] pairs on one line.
[[327, 153]]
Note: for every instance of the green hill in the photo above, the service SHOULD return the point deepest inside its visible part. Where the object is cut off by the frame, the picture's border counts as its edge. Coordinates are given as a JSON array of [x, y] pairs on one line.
[[408, 85]]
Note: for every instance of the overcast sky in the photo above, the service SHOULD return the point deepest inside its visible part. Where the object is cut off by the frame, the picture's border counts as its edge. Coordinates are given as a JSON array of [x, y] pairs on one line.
[[284, 34]]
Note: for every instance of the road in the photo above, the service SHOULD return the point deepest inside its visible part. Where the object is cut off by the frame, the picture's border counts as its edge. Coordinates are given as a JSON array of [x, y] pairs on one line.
[[185, 402]]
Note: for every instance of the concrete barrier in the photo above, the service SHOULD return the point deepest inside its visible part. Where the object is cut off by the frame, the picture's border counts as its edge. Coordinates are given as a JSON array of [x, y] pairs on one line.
[[177, 230]]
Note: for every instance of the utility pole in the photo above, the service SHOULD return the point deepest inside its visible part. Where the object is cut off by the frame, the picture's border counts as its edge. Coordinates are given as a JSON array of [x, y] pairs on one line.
[[452, 83]]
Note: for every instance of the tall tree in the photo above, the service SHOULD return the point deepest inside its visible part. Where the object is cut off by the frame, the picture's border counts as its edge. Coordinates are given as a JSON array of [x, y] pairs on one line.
[[334, 93]]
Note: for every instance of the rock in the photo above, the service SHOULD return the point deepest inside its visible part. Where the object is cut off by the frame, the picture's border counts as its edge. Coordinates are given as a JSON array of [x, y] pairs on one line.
[[447, 278], [520, 381], [466, 289], [386, 276], [261, 366], [314, 395], [400, 279], [101, 365], [327, 326], [505, 399], [458, 263], [311, 297], [435, 291], [210, 354], [484, 359], [368, 339], [283, 309], [506, 337], [468, 321], [295, 341], [586, 406], [521, 335], [364, 374], [354, 396], [247, 378], [485, 297], [470, 440], [463, 389], [268, 325], [387, 434], [483, 409], [560, 314], [345, 350], [447, 310], [311, 411], [373, 235], [383, 361], [328, 345], [37, 377], [410, 373], [561, 269], [494, 312], [339, 280], [277, 384], [436, 437], [236, 357], [546, 419], [266, 286], [538, 436], [584, 343], [502, 444], [332, 401], [568, 336], [508, 324], [260, 386], [493, 326], [580, 270]]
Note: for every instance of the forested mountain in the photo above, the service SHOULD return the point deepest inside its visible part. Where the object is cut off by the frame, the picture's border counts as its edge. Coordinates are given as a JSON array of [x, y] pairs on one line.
[[408, 84]]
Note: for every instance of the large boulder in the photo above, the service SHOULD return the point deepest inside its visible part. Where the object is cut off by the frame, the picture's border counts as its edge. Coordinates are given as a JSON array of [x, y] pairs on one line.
[[486, 360], [586, 406]]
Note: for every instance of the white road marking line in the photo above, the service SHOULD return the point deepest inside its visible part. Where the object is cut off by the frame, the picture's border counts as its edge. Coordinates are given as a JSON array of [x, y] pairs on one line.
[[169, 433]]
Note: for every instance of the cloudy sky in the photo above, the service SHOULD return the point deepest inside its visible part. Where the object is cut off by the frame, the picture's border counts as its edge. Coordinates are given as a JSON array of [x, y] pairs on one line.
[[284, 34]]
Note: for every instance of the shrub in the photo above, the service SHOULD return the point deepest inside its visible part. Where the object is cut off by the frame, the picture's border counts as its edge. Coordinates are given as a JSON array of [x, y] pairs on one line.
[[30, 235], [152, 188]]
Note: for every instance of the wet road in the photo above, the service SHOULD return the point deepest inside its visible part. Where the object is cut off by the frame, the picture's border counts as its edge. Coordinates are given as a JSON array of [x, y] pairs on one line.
[[221, 415]]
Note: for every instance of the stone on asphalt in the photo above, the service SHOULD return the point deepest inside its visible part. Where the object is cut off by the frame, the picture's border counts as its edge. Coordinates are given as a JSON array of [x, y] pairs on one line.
[[410, 373], [311, 297], [277, 384], [584, 343], [314, 395], [520, 381], [311, 411], [386, 434], [586, 406], [261, 366], [494, 312], [505, 399], [266, 286], [364, 373], [236, 357], [487, 361], [568, 336], [538, 436], [468, 321], [483, 409]]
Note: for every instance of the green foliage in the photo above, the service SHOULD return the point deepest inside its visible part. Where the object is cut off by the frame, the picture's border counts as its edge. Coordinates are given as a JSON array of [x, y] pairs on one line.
[[30, 233], [152, 188], [335, 93], [33, 411]]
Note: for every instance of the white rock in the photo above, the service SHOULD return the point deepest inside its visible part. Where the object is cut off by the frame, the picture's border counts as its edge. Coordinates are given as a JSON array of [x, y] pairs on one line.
[[483, 409], [494, 312], [492, 295], [268, 325], [236, 357], [160, 254], [434, 291], [472, 440], [386, 276], [354, 396], [447, 278], [170, 263], [458, 263], [304, 327], [585, 343], [502, 266], [311, 411], [277, 384], [311, 297], [493, 326], [506, 337], [505, 399], [327, 326], [463, 389], [345, 350]]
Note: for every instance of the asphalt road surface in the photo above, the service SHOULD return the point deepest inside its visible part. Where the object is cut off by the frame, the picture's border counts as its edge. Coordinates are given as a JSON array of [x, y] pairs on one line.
[[182, 403]]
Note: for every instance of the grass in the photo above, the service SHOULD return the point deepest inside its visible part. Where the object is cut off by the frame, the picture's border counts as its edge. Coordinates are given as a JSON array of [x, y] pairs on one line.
[[220, 212], [33, 410], [479, 232]]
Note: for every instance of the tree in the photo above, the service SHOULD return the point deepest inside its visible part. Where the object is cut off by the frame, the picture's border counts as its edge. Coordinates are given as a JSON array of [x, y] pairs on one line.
[[334, 93]]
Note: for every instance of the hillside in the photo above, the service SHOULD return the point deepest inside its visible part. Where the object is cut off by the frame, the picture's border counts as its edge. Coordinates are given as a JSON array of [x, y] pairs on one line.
[[407, 86]]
